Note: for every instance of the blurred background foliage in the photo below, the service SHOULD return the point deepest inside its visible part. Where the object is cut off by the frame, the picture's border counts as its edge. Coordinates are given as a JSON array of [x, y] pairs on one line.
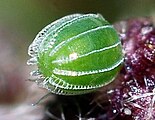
[[21, 20]]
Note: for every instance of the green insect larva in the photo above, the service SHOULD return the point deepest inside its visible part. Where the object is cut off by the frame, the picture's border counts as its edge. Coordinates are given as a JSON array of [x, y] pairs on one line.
[[76, 54]]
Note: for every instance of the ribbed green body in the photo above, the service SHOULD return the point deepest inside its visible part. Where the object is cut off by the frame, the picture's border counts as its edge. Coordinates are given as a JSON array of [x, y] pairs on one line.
[[77, 54]]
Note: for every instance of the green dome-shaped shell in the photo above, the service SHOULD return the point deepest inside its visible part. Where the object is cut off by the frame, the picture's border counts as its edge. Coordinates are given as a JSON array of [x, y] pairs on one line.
[[76, 54]]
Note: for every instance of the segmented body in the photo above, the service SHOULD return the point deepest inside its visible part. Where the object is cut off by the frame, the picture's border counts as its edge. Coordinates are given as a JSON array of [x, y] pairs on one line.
[[76, 54]]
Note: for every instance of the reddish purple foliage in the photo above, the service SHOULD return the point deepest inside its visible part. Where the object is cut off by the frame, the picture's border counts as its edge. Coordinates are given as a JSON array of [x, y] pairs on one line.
[[134, 98]]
